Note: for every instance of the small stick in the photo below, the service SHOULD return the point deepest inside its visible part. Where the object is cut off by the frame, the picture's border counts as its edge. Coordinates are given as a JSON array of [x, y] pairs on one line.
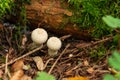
[[6, 67], [58, 59], [95, 43], [12, 61], [47, 62]]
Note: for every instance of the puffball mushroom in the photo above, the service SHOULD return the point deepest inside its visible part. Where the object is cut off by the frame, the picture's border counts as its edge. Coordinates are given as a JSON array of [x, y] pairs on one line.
[[53, 44], [39, 36]]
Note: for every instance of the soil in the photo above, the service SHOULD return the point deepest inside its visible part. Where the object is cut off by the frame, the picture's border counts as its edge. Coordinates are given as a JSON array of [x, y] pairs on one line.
[[76, 57]]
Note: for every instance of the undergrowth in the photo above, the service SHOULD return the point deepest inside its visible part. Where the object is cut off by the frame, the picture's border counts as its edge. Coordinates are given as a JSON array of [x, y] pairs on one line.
[[10, 9], [88, 14], [114, 60], [5, 7]]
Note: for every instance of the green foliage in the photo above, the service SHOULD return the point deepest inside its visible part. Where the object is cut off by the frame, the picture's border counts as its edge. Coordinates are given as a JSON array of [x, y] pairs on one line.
[[5, 5], [23, 17], [44, 76], [14, 8], [19, 12], [88, 13], [75, 3], [114, 62], [111, 21], [109, 77]]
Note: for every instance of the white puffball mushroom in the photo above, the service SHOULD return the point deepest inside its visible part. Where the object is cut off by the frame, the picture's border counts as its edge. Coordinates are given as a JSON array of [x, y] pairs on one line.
[[53, 44], [39, 36]]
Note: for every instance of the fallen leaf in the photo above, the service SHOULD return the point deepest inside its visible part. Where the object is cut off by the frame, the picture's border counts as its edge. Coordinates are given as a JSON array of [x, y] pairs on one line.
[[90, 70], [76, 78], [26, 67], [17, 75], [18, 65], [25, 77], [85, 63], [39, 62]]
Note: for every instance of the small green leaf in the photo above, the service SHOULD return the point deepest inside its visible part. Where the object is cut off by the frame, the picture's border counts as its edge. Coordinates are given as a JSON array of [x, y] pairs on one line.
[[117, 76], [111, 21], [44, 76], [108, 77], [114, 60]]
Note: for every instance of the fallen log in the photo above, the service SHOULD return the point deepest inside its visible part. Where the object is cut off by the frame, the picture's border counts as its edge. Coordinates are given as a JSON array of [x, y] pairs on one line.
[[54, 15]]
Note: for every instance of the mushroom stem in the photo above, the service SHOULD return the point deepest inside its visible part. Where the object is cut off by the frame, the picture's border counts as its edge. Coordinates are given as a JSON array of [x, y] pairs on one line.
[[52, 52]]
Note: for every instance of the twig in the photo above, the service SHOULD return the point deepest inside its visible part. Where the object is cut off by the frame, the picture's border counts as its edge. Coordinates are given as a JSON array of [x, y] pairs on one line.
[[6, 67], [47, 62], [58, 59], [95, 43], [12, 61], [6, 64]]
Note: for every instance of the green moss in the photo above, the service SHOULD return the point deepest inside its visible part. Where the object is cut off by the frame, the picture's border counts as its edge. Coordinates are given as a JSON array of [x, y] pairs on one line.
[[5, 6], [89, 13], [10, 9], [98, 52]]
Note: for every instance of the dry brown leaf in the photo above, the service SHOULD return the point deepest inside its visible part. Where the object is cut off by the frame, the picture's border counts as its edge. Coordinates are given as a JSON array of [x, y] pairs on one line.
[[86, 63], [25, 77], [76, 78], [18, 65], [39, 62], [17, 75], [90, 70]]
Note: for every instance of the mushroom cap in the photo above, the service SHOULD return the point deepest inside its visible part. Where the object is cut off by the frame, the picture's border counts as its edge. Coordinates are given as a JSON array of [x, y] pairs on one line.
[[39, 36], [54, 43]]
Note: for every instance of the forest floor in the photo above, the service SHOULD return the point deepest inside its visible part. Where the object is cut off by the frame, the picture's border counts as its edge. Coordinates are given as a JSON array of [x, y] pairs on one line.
[[87, 59]]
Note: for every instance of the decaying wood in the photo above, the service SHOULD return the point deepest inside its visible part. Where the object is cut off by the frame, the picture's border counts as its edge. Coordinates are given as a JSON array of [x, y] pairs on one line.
[[54, 16]]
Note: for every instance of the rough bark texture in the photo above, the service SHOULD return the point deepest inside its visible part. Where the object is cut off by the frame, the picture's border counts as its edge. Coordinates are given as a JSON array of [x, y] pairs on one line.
[[51, 15]]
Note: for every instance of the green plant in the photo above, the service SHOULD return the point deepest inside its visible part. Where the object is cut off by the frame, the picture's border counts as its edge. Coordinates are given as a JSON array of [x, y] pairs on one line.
[[44, 76], [19, 12], [88, 14], [111, 21], [114, 60], [75, 3], [5, 5]]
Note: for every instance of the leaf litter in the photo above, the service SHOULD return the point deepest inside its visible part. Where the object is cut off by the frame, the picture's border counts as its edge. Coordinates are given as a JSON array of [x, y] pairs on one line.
[[79, 66]]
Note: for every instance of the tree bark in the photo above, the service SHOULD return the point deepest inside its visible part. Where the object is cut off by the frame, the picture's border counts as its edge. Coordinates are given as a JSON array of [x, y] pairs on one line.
[[54, 15]]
